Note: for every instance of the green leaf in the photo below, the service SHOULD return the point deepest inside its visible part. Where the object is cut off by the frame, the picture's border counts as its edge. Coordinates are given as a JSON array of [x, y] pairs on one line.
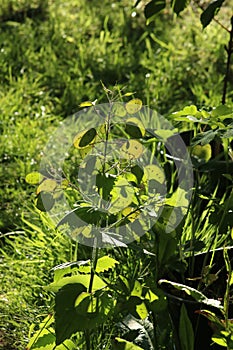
[[105, 263], [202, 152], [178, 199], [210, 12], [220, 340], [45, 201], [153, 7], [157, 301], [48, 185], [85, 138], [133, 106], [186, 333], [153, 172], [93, 309], [221, 111], [83, 279], [131, 149], [44, 336], [118, 109], [66, 319], [135, 128], [122, 344], [198, 296], [204, 138], [34, 178], [179, 5], [86, 104], [122, 195]]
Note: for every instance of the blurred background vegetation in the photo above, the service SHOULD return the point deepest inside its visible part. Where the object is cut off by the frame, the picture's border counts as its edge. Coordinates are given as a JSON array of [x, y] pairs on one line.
[[53, 55]]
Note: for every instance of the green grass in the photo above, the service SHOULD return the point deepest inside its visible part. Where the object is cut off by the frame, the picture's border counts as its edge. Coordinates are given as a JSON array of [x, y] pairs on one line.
[[51, 60]]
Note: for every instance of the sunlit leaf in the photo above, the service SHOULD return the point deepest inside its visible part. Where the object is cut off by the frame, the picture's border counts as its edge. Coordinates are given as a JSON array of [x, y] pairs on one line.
[[34, 178], [122, 344], [118, 109], [130, 213], [48, 185], [83, 279], [153, 172], [142, 311], [105, 263], [86, 104], [122, 195], [202, 152], [129, 94], [133, 106], [131, 149], [197, 295], [85, 138], [85, 230]]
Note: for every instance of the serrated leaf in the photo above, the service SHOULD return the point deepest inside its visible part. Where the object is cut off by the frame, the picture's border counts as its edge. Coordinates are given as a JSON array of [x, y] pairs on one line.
[[34, 178], [210, 12], [186, 333], [153, 7], [133, 106], [198, 296], [105, 263]]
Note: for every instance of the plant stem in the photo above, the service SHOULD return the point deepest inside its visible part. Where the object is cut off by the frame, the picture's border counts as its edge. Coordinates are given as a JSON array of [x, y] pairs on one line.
[[229, 50], [95, 252]]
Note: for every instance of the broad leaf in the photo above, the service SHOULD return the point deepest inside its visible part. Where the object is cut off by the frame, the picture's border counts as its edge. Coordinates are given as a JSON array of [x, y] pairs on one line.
[[210, 12], [133, 106], [66, 319], [85, 138], [83, 279], [135, 128], [131, 149], [34, 178]]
